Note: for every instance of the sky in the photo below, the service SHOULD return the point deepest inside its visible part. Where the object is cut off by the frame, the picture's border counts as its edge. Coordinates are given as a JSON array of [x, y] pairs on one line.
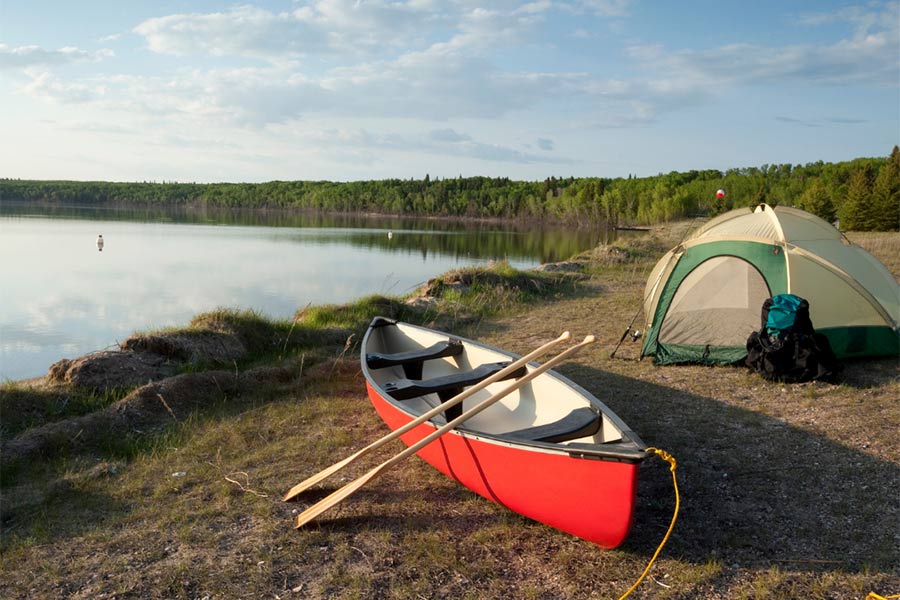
[[342, 90]]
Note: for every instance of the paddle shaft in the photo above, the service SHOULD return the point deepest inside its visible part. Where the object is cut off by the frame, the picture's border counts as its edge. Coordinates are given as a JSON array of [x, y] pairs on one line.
[[328, 502], [518, 364]]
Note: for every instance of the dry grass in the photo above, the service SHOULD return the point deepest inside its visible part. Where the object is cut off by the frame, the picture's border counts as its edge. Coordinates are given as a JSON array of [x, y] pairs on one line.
[[787, 491]]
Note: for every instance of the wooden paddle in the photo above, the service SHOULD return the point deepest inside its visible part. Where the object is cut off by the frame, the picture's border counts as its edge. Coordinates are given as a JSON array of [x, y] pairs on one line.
[[336, 497], [325, 473]]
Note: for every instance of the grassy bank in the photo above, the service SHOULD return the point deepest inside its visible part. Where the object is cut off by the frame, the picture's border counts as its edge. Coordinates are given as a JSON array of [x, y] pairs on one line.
[[787, 491]]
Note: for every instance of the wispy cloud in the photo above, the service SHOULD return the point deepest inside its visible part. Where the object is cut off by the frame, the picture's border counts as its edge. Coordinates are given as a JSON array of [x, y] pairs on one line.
[[327, 27], [45, 85], [677, 78], [439, 142], [820, 122], [23, 57], [871, 59], [605, 8]]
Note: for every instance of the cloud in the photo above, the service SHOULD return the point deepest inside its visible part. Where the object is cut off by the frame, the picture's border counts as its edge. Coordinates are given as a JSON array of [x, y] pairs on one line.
[[413, 59], [792, 121], [820, 122], [869, 55], [862, 19], [326, 27], [676, 79], [95, 127], [448, 135], [846, 121], [545, 144], [45, 85], [243, 31], [440, 142], [606, 8], [24, 57]]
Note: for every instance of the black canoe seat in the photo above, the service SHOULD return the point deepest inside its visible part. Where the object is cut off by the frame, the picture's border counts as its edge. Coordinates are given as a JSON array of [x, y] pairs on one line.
[[412, 361], [579, 423], [447, 386]]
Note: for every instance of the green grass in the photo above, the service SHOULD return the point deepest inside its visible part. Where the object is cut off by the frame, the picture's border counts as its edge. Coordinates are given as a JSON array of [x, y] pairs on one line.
[[24, 406]]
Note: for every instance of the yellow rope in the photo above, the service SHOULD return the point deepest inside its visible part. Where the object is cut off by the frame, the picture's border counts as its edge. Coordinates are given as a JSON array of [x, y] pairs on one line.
[[874, 596], [671, 460]]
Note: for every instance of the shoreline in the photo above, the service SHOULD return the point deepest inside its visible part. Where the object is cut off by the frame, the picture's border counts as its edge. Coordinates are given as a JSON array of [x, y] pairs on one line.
[[188, 207]]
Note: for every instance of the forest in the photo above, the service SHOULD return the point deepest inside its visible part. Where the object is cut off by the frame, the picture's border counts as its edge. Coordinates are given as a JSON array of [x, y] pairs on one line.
[[864, 194]]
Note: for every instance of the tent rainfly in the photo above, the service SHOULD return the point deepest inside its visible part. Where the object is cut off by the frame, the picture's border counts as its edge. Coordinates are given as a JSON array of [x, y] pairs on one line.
[[704, 297]]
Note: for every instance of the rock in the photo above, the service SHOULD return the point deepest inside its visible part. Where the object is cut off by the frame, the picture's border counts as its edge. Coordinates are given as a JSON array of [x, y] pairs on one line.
[[202, 346], [609, 255], [422, 303], [147, 358], [111, 369], [566, 266]]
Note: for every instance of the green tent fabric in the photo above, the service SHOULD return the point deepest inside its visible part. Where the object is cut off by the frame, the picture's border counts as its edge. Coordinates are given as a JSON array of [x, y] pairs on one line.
[[704, 297]]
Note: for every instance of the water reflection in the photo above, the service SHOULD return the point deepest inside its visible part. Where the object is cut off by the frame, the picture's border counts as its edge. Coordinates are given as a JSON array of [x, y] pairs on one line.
[[63, 298]]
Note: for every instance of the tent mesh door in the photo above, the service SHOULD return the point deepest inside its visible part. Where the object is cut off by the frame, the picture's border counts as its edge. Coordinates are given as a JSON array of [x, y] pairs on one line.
[[717, 304]]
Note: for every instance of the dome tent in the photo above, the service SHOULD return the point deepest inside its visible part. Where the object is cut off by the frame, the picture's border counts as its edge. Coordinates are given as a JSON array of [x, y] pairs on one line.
[[704, 297]]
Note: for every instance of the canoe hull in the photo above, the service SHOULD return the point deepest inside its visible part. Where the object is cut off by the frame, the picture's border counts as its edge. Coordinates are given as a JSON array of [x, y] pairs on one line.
[[591, 499]]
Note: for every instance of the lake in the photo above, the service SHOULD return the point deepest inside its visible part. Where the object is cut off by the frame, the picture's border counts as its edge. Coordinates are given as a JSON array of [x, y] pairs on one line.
[[62, 297]]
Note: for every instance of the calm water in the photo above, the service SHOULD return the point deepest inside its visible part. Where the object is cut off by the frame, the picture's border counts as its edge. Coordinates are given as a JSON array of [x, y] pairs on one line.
[[62, 298]]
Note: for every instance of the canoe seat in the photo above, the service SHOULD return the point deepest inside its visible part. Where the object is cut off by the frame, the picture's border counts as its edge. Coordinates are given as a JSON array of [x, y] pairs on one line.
[[412, 361], [447, 386], [579, 423]]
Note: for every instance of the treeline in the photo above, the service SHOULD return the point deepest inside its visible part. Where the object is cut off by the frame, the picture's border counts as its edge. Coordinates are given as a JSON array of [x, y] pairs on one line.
[[863, 193]]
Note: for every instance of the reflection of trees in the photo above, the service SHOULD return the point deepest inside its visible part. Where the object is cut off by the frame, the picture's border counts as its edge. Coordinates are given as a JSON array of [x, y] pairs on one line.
[[483, 240], [546, 245]]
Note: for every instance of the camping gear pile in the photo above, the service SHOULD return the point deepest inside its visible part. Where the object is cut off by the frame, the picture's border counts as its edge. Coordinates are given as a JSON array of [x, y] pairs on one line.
[[703, 298], [527, 438], [787, 347]]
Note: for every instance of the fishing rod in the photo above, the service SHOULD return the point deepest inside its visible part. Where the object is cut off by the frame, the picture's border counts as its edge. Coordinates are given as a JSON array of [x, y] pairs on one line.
[[635, 336]]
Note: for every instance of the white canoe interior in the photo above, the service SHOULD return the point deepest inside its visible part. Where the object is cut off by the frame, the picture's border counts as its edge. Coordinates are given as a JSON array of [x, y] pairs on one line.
[[548, 400]]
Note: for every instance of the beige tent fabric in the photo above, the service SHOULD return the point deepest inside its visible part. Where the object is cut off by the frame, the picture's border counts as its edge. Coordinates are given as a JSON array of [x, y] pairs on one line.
[[845, 305]]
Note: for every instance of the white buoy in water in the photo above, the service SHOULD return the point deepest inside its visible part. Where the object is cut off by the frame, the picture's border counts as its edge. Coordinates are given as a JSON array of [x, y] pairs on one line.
[[390, 234], [100, 242]]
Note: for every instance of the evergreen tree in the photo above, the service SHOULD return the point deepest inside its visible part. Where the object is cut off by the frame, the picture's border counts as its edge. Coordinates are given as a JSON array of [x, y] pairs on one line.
[[857, 212], [817, 200], [886, 194]]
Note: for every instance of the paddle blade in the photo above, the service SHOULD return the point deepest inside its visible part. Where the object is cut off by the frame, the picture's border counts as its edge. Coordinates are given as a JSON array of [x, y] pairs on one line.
[[320, 476], [335, 498]]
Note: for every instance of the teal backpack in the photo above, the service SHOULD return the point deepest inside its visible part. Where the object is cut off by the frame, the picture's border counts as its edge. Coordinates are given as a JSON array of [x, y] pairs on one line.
[[786, 313], [786, 347]]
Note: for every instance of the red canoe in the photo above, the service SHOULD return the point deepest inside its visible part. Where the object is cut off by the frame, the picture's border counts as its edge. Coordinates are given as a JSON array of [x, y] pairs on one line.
[[549, 451]]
